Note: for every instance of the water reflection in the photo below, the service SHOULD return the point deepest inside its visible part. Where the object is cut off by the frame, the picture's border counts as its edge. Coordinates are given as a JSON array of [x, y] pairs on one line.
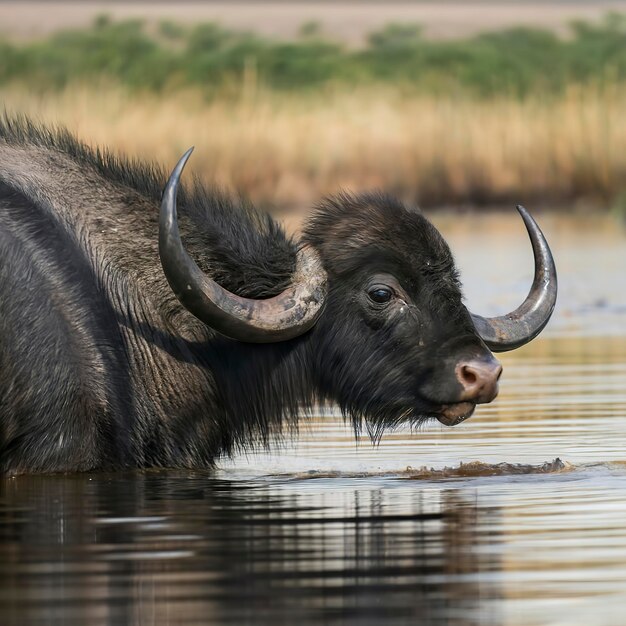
[[163, 548]]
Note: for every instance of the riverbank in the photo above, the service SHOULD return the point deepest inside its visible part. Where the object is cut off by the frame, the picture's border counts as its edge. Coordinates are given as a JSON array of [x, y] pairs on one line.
[[348, 21]]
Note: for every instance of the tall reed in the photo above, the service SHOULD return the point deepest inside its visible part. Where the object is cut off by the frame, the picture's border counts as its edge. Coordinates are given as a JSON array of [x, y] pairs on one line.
[[289, 150]]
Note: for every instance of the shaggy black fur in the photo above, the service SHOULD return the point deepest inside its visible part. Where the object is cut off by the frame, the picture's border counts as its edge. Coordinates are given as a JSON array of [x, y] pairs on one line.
[[101, 367]]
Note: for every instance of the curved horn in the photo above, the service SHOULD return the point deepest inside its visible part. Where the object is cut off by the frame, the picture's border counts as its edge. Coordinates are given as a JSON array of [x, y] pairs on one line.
[[513, 330], [279, 318]]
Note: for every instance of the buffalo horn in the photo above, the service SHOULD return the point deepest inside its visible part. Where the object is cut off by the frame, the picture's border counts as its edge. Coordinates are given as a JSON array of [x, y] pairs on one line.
[[513, 330], [279, 318]]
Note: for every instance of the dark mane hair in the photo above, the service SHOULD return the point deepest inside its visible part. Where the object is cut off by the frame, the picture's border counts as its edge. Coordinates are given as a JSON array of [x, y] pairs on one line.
[[144, 177], [243, 248]]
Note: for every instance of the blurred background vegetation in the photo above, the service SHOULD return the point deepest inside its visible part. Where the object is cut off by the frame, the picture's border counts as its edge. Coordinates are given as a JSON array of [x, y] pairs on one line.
[[522, 114], [518, 62]]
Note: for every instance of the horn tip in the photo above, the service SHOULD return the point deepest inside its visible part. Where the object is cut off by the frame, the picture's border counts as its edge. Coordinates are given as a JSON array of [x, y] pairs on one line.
[[528, 219], [183, 159], [178, 169]]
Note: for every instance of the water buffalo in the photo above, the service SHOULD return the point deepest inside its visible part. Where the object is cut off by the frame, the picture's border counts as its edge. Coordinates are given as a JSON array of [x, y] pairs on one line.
[[126, 343]]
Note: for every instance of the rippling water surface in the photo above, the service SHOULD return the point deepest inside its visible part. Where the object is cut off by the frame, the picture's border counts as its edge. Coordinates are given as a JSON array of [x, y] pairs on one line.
[[517, 516]]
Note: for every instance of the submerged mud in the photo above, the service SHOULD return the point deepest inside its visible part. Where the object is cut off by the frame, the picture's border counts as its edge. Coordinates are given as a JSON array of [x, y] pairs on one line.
[[464, 470]]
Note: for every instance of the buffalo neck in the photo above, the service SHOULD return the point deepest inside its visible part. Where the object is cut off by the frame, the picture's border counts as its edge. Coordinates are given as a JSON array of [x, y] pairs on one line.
[[262, 387]]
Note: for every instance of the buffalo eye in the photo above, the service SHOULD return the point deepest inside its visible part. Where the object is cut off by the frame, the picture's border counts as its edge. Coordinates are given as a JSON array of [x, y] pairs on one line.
[[379, 294]]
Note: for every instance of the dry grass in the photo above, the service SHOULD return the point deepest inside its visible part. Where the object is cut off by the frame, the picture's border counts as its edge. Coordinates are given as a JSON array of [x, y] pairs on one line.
[[288, 152]]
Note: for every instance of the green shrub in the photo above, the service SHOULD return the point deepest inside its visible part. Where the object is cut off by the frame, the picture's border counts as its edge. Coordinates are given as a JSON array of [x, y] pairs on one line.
[[517, 61]]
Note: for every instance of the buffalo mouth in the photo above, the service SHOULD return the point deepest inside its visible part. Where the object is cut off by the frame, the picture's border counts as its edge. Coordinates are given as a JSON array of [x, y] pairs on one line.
[[453, 414]]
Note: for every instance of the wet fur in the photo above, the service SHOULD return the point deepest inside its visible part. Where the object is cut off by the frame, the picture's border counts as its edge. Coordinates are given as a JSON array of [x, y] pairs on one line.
[[100, 366]]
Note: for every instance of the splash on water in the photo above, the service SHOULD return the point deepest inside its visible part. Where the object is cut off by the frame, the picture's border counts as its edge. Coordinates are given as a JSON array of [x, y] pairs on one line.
[[464, 470]]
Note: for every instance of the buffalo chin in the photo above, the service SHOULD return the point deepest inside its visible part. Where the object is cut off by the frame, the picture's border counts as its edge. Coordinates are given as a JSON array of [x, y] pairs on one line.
[[453, 414]]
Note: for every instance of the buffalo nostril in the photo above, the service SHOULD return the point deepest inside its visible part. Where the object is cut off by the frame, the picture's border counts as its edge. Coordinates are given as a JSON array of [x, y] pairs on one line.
[[479, 379], [469, 377]]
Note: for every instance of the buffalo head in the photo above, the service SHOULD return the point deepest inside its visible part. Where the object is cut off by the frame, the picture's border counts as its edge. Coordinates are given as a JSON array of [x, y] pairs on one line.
[[376, 297]]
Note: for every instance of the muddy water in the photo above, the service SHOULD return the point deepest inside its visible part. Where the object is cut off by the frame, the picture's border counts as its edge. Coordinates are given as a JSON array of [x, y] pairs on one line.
[[517, 516]]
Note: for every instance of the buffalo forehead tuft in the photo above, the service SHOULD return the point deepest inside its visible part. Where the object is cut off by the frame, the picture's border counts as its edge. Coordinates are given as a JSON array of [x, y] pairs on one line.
[[350, 229]]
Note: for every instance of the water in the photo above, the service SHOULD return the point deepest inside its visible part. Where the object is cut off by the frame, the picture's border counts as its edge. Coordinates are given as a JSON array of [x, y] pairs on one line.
[[479, 524]]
